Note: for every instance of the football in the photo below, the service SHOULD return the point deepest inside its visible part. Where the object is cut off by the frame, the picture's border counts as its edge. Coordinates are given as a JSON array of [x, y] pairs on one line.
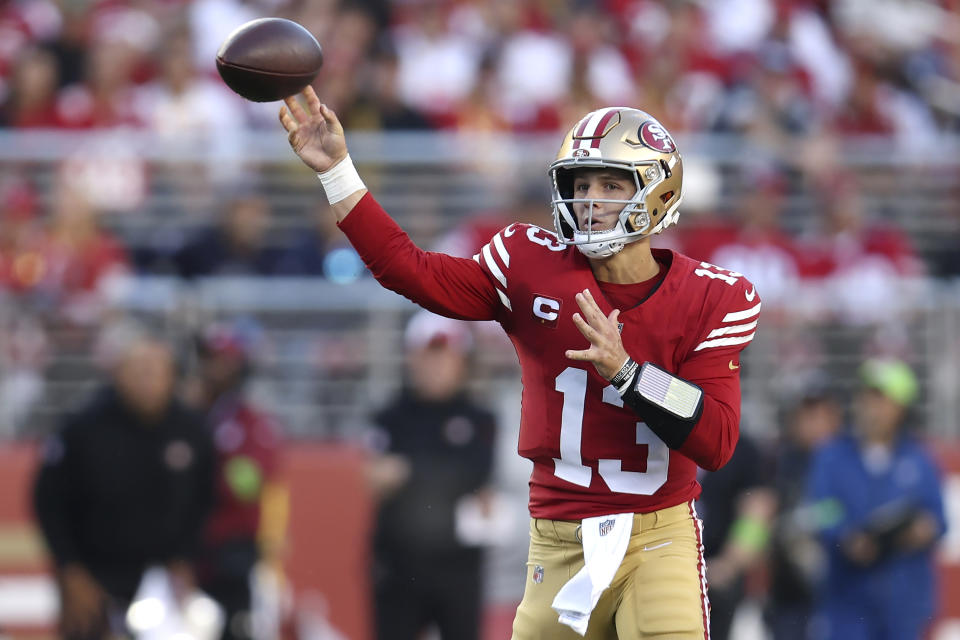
[[268, 59]]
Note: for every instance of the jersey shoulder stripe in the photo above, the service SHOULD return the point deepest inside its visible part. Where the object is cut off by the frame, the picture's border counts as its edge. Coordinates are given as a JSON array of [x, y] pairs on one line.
[[513, 247], [734, 304], [501, 250], [491, 264], [729, 327], [496, 262]]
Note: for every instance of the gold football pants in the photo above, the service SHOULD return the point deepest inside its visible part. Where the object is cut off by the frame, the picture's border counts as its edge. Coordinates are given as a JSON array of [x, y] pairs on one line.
[[658, 592]]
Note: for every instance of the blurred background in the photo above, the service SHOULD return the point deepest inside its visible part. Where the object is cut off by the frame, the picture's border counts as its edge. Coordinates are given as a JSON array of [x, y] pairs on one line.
[[821, 140]]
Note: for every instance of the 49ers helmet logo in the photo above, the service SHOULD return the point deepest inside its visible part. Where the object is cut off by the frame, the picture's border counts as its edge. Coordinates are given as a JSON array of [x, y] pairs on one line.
[[656, 137]]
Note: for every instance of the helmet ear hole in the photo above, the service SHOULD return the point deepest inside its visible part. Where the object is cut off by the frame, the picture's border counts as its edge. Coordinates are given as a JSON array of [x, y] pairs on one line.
[[566, 231], [564, 182]]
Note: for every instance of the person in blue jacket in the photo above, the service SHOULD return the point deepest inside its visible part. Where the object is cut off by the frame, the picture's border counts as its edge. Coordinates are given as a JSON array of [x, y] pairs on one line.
[[877, 502]]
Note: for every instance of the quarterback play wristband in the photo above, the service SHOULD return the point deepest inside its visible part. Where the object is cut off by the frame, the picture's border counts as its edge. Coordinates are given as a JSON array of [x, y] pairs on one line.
[[669, 405], [341, 181], [668, 392]]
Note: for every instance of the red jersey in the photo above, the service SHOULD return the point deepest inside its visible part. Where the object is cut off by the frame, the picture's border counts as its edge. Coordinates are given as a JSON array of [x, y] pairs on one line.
[[591, 455], [248, 450]]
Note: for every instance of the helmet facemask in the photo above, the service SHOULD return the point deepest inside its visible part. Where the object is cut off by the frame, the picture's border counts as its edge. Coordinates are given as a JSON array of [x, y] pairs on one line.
[[634, 221]]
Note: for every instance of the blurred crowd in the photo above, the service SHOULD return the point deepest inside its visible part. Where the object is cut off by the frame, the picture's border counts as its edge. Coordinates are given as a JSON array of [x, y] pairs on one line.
[[751, 66]]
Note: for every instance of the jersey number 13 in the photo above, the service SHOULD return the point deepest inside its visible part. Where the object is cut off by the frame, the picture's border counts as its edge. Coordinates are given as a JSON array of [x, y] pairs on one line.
[[572, 383]]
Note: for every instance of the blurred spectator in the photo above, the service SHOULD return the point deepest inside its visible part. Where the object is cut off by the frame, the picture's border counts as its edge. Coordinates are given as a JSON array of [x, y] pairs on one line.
[[866, 269], [105, 98], [437, 67], [529, 101], [346, 51], [24, 352], [526, 206], [21, 246], [211, 21], [685, 89], [936, 73], [757, 244], [796, 559], [434, 453], [739, 24], [600, 72], [247, 525], [815, 49], [195, 110], [879, 505], [236, 246], [772, 101], [597, 60], [126, 483], [71, 43], [877, 105], [888, 26], [183, 102], [321, 251], [736, 506], [32, 95], [381, 106], [79, 260]]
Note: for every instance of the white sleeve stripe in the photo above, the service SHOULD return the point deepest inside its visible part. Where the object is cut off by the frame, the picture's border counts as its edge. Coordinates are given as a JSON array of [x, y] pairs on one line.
[[742, 315], [502, 250], [476, 258], [724, 342], [494, 269], [504, 299], [737, 328]]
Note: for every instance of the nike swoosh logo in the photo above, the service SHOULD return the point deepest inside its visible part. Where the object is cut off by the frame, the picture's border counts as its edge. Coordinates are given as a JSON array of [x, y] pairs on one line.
[[658, 546], [750, 295], [733, 367]]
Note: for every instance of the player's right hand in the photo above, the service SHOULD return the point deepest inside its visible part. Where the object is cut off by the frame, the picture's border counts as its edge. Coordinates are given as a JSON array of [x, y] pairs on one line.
[[315, 134]]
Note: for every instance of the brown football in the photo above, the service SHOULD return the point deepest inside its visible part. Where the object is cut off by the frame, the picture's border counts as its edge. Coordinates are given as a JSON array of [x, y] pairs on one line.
[[268, 59]]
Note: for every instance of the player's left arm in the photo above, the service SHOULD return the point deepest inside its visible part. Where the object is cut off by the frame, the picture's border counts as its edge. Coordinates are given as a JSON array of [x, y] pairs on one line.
[[696, 409]]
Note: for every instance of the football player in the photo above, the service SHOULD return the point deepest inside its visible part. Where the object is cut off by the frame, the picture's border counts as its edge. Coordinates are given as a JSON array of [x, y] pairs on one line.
[[630, 363]]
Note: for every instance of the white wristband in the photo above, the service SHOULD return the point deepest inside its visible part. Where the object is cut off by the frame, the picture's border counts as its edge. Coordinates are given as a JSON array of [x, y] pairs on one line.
[[341, 181]]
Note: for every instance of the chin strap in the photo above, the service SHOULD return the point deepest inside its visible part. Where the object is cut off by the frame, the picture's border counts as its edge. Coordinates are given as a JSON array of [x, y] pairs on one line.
[[600, 248]]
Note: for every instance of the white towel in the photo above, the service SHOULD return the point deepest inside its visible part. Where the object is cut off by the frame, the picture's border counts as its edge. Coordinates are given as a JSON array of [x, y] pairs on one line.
[[605, 540]]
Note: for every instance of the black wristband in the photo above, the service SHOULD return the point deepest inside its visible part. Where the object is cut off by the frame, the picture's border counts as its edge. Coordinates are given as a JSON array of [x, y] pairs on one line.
[[626, 373]]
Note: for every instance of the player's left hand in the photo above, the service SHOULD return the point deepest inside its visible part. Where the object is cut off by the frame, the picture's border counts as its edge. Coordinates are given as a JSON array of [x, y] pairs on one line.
[[606, 350]]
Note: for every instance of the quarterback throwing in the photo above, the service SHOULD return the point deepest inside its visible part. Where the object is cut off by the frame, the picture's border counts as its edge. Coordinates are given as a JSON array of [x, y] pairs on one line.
[[629, 359]]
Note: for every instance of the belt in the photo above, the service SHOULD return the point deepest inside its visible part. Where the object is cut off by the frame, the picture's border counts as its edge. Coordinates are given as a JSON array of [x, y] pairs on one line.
[[569, 530]]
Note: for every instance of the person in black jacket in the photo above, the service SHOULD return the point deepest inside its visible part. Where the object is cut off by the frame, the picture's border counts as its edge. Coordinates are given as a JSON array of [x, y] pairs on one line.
[[737, 507], [797, 561], [126, 483], [435, 449]]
